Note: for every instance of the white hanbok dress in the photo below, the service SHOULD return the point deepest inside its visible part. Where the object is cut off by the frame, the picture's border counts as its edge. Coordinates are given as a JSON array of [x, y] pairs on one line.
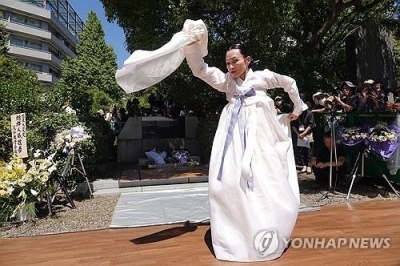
[[253, 188]]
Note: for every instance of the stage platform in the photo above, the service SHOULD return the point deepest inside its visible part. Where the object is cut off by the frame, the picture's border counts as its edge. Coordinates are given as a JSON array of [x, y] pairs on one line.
[[190, 244]]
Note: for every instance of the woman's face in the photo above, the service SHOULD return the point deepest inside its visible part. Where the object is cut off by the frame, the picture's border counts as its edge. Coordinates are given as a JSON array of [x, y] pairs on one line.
[[378, 89], [347, 91], [237, 64]]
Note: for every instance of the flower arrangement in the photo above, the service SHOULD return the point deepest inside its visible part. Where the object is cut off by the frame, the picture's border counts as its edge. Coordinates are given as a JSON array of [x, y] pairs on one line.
[[22, 184], [353, 136], [383, 139], [183, 157], [68, 139], [383, 133]]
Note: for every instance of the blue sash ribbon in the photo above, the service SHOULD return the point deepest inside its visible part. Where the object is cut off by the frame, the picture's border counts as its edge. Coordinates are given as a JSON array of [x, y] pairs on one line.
[[236, 118]]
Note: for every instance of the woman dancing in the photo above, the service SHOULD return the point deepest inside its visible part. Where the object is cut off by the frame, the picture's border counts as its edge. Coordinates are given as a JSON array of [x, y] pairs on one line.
[[253, 188]]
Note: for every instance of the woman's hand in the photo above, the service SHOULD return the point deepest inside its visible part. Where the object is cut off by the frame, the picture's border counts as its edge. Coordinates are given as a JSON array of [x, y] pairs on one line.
[[321, 165], [292, 117], [393, 106]]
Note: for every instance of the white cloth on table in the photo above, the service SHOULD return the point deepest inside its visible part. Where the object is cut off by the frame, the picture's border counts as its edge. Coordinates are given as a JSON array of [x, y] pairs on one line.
[[146, 68], [242, 217]]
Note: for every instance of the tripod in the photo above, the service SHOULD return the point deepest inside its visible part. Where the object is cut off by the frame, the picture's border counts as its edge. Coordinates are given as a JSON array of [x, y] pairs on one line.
[[333, 155], [55, 179], [361, 155]]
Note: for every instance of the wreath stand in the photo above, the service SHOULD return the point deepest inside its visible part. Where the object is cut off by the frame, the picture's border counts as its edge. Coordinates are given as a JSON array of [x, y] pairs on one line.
[[361, 155], [70, 166], [50, 198]]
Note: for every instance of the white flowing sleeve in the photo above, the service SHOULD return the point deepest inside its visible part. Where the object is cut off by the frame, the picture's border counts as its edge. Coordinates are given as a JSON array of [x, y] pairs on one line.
[[212, 75], [275, 80], [146, 68]]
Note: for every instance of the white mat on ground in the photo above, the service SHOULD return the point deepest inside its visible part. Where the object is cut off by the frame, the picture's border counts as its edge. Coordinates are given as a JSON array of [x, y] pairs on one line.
[[165, 207]]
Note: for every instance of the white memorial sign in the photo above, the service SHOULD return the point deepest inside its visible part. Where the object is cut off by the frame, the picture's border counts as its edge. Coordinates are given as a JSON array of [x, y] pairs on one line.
[[18, 129]]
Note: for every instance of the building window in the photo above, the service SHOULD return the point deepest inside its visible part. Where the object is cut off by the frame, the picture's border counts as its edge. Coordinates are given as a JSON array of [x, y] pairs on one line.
[[33, 45], [25, 43], [32, 23], [17, 18], [26, 21], [17, 42], [34, 67]]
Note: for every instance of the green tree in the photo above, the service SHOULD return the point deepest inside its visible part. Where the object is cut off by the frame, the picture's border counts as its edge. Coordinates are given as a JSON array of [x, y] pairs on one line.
[[20, 90], [3, 39], [303, 39], [92, 71]]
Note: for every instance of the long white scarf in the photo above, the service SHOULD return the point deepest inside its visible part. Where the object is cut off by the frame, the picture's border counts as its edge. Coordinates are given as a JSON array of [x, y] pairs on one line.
[[145, 68]]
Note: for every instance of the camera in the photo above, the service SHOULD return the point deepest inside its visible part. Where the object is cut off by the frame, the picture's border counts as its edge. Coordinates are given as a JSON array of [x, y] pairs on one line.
[[337, 92], [372, 90]]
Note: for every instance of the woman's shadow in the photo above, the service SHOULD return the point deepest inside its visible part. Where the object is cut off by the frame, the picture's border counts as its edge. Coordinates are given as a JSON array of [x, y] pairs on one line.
[[175, 232]]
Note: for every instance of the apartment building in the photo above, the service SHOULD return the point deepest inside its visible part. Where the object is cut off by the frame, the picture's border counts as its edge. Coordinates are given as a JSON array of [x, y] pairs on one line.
[[42, 34]]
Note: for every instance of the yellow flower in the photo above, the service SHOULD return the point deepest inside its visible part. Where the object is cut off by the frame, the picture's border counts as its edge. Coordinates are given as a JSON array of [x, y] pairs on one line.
[[3, 192]]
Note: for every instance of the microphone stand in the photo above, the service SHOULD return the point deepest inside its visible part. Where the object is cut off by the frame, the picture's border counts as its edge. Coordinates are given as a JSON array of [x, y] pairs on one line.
[[333, 152]]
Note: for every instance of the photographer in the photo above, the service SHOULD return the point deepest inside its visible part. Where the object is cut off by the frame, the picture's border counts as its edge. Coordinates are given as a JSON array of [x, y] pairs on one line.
[[349, 102], [367, 97], [379, 96]]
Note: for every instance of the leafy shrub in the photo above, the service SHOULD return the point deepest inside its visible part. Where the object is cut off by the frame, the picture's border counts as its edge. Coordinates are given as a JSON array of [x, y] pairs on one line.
[[5, 138]]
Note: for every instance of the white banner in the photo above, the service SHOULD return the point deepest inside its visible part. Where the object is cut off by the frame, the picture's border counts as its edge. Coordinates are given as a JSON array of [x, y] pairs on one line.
[[18, 129]]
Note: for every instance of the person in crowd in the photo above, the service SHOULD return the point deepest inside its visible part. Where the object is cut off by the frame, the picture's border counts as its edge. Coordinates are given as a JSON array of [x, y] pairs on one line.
[[282, 105], [349, 102], [168, 113], [303, 129], [132, 107], [112, 115], [152, 100], [122, 115], [253, 183], [319, 99], [144, 111], [310, 104], [321, 162], [155, 111], [113, 118], [378, 96], [366, 95], [169, 103], [184, 111], [100, 114]]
